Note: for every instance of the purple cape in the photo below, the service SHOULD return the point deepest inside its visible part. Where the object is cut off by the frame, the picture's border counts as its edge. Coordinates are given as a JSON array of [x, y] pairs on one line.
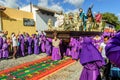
[[89, 52]]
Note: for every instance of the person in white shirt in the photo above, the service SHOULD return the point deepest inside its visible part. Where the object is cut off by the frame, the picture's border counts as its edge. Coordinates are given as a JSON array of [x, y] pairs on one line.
[[106, 68], [102, 47], [14, 44]]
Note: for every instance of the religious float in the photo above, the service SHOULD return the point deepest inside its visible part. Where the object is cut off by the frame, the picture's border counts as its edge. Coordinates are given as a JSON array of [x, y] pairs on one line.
[[75, 25]]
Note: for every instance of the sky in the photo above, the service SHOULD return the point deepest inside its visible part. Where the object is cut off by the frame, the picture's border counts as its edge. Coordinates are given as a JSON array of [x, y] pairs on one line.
[[112, 6]]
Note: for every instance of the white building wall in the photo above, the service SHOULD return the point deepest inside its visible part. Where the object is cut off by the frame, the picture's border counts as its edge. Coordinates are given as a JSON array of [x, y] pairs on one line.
[[42, 20], [26, 8]]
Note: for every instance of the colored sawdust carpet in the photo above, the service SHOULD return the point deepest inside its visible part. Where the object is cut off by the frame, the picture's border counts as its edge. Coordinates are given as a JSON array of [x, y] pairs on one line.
[[34, 70]]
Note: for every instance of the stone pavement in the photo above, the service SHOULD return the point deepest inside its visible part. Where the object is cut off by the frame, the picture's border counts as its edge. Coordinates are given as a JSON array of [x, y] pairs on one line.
[[69, 73]]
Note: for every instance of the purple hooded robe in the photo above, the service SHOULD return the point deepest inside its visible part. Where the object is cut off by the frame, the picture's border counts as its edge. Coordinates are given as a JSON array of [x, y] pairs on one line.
[[91, 60]]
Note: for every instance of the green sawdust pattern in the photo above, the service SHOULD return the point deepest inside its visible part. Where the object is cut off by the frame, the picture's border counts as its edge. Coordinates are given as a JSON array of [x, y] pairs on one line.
[[31, 70]]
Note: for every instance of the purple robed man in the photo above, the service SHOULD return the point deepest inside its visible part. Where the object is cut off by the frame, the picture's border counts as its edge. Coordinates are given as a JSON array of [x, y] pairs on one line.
[[48, 47], [43, 43], [113, 49], [74, 50], [91, 60], [22, 45], [42, 36], [1, 44], [36, 45], [68, 51], [29, 45], [56, 54], [5, 49]]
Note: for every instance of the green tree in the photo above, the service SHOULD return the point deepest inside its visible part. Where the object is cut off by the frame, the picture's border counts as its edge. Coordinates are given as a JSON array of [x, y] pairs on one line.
[[112, 18], [118, 26]]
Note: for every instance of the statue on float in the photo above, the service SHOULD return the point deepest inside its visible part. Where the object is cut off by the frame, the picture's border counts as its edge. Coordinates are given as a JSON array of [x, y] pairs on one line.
[[50, 25], [60, 21], [67, 26], [77, 21], [98, 21], [90, 20], [82, 20]]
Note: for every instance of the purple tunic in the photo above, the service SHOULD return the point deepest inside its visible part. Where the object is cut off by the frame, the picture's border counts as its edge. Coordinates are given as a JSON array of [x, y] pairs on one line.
[[68, 51], [5, 50], [56, 54], [36, 46], [74, 50], [113, 49], [22, 45], [48, 47], [91, 71], [30, 45], [91, 59], [43, 44], [1, 44]]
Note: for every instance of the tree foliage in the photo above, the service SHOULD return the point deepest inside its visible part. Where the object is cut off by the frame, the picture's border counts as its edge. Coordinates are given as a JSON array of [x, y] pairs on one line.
[[112, 18]]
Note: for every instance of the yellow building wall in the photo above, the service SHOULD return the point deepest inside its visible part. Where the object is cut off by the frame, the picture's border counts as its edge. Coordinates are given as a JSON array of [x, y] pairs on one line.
[[12, 21]]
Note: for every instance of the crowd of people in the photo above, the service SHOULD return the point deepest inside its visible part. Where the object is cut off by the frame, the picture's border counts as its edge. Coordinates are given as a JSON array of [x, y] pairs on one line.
[[90, 50]]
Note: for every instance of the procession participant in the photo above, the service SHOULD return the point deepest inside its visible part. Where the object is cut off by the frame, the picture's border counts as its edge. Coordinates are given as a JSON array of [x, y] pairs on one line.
[[9, 42], [74, 50], [91, 60], [102, 47], [36, 45], [43, 44], [56, 54], [113, 49], [33, 36], [102, 50], [79, 42], [5, 49], [112, 52], [1, 44], [14, 44], [26, 42], [68, 51], [29, 45], [5, 33], [22, 45], [48, 47], [42, 41]]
